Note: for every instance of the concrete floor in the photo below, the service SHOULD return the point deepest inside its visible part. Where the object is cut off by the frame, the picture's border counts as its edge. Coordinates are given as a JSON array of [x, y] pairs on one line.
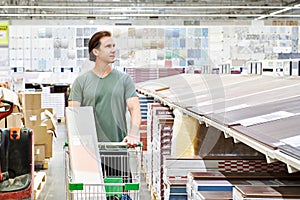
[[55, 174]]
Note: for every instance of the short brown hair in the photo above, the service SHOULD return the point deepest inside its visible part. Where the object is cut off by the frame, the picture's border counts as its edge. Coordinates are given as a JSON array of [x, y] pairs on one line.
[[95, 42]]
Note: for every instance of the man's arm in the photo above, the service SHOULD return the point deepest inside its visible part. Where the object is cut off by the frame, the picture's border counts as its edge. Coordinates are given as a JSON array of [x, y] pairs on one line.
[[73, 103], [133, 137]]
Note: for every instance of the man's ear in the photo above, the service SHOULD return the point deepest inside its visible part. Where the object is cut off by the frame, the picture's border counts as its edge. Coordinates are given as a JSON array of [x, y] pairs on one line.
[[95, 52]]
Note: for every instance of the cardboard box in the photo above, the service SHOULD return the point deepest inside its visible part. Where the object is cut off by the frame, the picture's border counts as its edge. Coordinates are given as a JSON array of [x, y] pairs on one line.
[[42, 136], [14, 120], [48, 109], [32, 118], [17, 109], [49, 119], [31, 100], [39, 153], [47, 122], [2, 123]]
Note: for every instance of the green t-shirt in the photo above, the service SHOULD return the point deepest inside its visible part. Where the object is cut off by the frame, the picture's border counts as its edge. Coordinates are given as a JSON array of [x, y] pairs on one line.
[[108, 97]]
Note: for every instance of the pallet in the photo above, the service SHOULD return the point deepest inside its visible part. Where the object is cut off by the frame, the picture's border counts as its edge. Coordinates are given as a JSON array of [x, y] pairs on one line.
[[154, 195], [143, 170], [41, 165], [39, 183]]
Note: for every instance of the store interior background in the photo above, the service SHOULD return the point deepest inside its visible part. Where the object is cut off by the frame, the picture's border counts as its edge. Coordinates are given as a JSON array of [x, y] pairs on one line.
[[196, 36], [44, 43]]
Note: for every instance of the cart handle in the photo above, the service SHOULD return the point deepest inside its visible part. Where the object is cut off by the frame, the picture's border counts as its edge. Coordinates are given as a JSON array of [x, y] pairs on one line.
[[116, 144], [5, 113]]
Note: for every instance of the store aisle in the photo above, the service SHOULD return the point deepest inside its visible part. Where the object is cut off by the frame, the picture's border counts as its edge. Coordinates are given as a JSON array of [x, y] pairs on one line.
[[54, 188], [55, 174]]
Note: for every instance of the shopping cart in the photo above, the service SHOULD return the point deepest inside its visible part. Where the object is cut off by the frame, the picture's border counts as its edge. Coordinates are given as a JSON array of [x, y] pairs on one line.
[[121, 167]]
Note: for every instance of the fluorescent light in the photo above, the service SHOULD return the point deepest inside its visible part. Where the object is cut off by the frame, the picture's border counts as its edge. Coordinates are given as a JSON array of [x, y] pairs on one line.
[[274, 14], [261, 17], [280, 11], [147, 7], [118, 17]]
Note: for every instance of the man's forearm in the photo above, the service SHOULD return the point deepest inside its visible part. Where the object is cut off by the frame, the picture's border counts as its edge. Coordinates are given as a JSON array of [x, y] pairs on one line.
[[135, 123]]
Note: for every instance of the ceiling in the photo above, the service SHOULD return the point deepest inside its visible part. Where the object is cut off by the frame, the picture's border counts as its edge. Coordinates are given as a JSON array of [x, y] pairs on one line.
[[154, 9]]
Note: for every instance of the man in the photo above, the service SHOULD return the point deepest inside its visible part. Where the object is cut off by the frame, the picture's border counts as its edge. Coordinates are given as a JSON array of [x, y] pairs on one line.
[[109, 92]]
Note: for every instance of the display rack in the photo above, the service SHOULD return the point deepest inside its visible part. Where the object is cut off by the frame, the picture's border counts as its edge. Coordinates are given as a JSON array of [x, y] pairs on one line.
[[205, 97]]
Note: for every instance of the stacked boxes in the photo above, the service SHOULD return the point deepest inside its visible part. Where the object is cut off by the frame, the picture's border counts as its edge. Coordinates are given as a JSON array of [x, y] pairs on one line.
[[178, 170], [143, 134], [265, 192], [161, 147], [43, 124], [220, 195], [43, 137], [147, 156], [201, 185], [175, 189], [15, 119], [31, 104], [144, 100], [28, 112], [159, 136]]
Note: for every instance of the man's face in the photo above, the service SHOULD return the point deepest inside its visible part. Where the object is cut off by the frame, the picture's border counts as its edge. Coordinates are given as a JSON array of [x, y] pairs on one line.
[[107, 50]]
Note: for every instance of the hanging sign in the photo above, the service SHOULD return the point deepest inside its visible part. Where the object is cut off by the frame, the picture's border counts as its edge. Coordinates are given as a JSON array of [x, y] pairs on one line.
[[4, 33]]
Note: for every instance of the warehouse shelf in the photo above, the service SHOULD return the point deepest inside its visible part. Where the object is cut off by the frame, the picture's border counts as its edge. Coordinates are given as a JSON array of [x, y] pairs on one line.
[[209, 98]]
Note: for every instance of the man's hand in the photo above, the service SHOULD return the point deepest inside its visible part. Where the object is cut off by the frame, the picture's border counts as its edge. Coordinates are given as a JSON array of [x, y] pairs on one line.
[[132, 141]]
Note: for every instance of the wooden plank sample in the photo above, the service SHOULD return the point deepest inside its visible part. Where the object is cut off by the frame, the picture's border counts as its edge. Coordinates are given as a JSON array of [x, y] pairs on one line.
[[271, 133], [232, 117], [265, 192], [83, 145]]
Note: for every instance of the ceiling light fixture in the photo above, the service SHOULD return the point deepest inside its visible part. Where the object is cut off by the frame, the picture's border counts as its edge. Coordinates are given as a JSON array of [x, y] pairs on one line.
[[118, 17], [274, 14], [159, 11]]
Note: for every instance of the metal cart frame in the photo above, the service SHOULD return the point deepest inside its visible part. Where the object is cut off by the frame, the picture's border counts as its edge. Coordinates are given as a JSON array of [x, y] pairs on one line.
[[121, 178]]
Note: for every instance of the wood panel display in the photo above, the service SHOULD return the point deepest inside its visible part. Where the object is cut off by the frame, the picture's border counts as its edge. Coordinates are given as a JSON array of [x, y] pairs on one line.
[[259, 111]]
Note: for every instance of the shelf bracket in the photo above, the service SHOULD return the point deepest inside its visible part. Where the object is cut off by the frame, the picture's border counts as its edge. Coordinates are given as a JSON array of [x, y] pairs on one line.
[[270, 160], [201, 122], [291, 169], [226, 135], [206, 125], [235, 140]]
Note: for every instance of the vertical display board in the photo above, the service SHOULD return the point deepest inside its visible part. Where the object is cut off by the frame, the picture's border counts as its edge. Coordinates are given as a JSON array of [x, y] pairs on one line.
[[45, 48]]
